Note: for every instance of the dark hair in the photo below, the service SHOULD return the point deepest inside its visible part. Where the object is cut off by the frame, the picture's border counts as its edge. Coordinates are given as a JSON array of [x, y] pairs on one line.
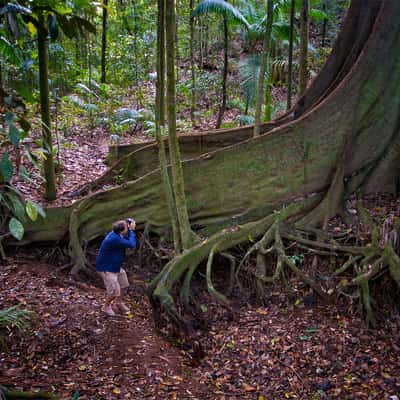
[[118, 226]]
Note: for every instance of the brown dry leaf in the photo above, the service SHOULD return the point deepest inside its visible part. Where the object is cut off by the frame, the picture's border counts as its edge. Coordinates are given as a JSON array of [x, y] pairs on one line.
[[249, 388]]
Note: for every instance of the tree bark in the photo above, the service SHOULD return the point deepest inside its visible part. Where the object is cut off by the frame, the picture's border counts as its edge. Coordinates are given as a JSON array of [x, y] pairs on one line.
[[357, 28], [224, 76], [177, 57], [176, 166], [304, 26], [263, 69], [48, 163], [290, 57], [103, 78]]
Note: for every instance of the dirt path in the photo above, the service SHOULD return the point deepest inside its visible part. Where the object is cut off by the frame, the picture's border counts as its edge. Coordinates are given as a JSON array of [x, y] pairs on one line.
[[76, 348]]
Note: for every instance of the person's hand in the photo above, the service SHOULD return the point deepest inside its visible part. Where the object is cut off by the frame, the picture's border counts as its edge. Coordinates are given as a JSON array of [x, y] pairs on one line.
[[131, 223]]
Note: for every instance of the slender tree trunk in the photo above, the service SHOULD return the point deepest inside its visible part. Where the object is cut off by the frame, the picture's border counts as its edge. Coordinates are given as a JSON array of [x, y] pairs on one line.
[[263, 69], [205, 40], [135, 47], [160, 122], [192, 66], [290, 61], [224, 76], [49, 173], [304, 25], [201, 44], [176, 42], [161, 53], [104, 43], [176, 165], [324, 25], [268, 100]]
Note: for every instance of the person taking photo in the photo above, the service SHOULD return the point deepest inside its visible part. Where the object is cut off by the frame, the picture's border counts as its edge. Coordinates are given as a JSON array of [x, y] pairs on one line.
[[109, 261]]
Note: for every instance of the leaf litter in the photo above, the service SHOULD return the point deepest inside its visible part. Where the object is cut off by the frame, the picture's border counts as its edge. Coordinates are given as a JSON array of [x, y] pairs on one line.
[[285, 350]]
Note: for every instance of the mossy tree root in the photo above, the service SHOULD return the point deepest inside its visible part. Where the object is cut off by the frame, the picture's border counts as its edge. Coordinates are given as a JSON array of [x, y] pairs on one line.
[[161, 288], [366, 263], [77, 254]]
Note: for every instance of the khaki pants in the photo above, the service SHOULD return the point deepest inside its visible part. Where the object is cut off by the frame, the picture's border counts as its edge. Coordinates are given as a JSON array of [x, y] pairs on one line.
[[114, 282]]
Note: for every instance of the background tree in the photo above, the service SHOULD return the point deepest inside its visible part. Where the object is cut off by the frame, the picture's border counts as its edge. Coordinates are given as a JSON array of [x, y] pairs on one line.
[[192, 64], [40, 16], [227, 11], [290, 56], [263, 69], [303, 59], [104, 42]]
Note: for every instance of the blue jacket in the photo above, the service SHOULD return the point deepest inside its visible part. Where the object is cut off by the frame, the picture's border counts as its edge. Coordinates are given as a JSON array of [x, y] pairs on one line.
[[112, 251]]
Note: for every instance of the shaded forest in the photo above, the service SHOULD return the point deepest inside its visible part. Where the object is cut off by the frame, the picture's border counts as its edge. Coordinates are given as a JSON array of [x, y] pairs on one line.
[[256, 146]]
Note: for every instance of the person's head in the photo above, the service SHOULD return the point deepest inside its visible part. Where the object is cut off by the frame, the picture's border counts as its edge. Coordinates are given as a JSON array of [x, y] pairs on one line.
[[120, 227]]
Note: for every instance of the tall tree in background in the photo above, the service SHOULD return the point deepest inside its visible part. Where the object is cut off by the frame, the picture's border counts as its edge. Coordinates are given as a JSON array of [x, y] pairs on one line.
[[224, 75], [42, 42], [304, 26], [227, 11], [176, 165], [103, 78], [160, 122], [324, 23], [44, 19], [192, 64], [290, 57], [263, 68]]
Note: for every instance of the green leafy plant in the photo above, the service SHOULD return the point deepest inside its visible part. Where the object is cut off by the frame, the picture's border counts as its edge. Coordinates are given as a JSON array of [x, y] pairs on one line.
[[245, 120], [15, 318], [14, 210]]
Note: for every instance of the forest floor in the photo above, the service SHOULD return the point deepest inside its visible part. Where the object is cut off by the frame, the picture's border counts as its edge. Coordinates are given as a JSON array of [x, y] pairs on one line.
[[294, 347]]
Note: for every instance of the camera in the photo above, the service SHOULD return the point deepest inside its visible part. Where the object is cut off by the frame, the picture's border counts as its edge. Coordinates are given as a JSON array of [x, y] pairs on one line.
[[130, 221]]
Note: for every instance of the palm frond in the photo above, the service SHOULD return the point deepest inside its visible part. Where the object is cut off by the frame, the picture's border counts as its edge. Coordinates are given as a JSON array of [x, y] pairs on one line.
[[8, 51], [222, 8], [249, 70], [318, 15]]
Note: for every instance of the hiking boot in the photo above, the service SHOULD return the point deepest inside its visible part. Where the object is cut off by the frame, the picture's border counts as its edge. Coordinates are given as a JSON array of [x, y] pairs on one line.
[[123, 307], [109, 311]]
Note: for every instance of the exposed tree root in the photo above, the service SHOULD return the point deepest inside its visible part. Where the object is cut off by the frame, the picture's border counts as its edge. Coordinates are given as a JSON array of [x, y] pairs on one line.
[[362, 265], [161, 288], [79, 260], [219, 296]]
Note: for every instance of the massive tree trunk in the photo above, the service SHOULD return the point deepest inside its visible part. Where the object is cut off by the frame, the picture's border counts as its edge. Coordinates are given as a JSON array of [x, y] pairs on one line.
[[343, 137]]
